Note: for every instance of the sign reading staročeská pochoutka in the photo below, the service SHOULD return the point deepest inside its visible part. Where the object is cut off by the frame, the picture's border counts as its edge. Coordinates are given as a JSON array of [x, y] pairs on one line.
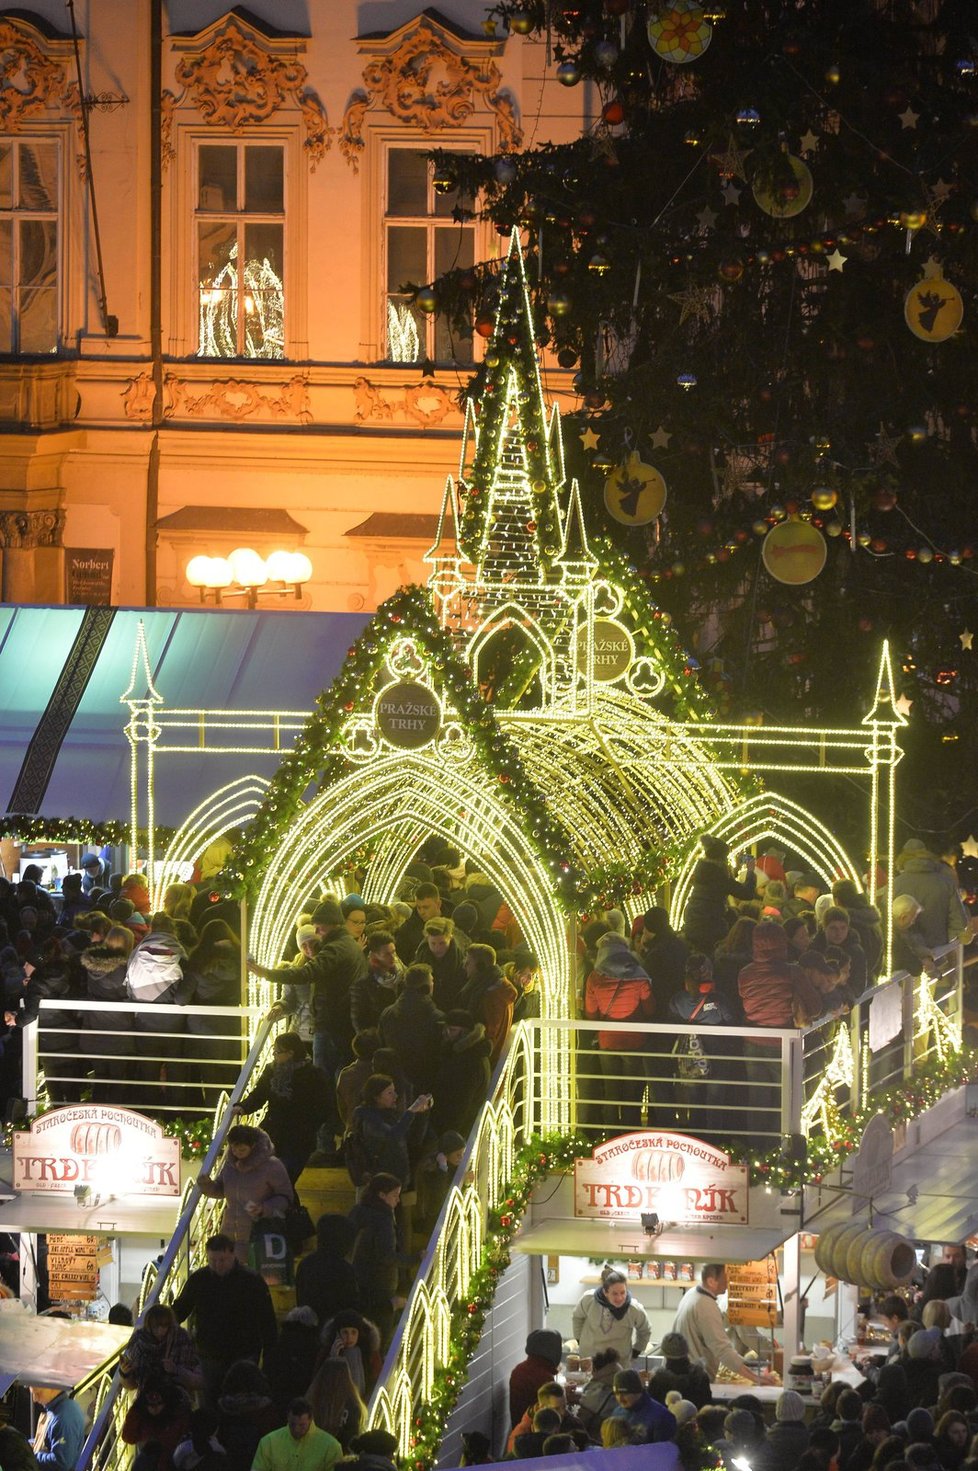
[[683, 1180], [112, 1151]]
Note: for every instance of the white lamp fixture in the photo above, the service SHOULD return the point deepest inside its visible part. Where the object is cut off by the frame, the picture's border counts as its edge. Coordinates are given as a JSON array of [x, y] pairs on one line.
[[245, 574]]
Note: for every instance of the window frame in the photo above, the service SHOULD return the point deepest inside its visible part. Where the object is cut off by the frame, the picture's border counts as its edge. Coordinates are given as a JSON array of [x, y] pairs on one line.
[[181, 279], [48, 136], [379, 139]]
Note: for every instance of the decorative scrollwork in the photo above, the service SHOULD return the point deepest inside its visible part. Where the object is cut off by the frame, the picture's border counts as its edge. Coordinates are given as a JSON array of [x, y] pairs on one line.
[[32, 79], [644, 679], [26, 530], [360, 741], [455, 742], [404, 660]]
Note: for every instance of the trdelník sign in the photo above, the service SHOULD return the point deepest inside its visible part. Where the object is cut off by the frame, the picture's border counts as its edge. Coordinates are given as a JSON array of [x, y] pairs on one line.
[[106, 1150]]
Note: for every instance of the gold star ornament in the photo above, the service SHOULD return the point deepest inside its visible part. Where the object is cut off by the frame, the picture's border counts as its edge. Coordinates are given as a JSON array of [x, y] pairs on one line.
[[589, 439]]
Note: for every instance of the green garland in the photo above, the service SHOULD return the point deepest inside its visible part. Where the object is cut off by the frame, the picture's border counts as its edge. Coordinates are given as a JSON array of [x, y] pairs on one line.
[[194, 1134], [31, 829]]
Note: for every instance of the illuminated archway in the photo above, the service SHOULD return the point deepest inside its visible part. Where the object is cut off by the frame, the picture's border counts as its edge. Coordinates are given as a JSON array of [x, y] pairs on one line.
[[771, 817], [228, 809], [530, 635]]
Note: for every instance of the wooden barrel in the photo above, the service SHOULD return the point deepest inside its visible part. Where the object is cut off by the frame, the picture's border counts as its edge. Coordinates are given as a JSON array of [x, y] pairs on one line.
[[838, 1260], [855, 1249], [825, 1245], [888, 1260], [95, 1139]]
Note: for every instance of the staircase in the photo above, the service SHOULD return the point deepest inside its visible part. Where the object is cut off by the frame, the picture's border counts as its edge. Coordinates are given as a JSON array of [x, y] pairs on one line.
[[322, 1192]]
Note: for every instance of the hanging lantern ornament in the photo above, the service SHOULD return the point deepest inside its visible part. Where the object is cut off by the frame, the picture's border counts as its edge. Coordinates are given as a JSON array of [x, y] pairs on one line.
[[568, 73], [505, 170], [635, 492], [442, 182], [521, 22], [933, 309], [824, 498], [427, 300], [679, 32], [784, 201]]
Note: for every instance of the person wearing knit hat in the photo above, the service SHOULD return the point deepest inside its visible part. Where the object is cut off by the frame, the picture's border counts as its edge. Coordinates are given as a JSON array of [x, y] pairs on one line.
[[679, 1375], [683, 1409], [787, 1439], [645, 1417]]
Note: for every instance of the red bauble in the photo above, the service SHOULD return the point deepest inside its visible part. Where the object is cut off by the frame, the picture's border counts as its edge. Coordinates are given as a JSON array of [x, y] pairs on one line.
[[483, 325], [884, 499], [613, 112]]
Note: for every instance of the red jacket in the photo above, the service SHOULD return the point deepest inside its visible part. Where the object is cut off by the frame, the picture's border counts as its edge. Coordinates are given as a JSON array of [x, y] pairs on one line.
[[618, 990], [771, 984]]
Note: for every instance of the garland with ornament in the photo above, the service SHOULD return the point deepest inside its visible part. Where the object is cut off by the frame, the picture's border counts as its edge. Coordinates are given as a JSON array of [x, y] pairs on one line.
[[30, 829]]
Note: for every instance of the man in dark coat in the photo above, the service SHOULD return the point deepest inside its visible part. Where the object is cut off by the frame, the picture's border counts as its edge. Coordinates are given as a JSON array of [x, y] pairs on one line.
[[324, 1280], [412, 1028], [428, 903], [934, 884], [462, 1078], [442, 949], [663, 955], [377, 987], [707, 916], [232, 1311]]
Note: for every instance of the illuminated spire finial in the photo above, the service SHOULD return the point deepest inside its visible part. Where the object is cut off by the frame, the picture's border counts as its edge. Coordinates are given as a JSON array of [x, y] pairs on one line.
[[574, 548], [886, 708], [141, 687]]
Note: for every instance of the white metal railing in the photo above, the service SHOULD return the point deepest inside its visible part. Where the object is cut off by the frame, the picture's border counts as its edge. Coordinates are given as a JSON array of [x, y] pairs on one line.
[[163, 1073], [104, 1449], [549, 1079]]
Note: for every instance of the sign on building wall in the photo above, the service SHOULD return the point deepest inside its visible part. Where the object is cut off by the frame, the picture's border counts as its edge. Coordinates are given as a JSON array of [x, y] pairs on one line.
[[684, 1181], [109, 1151], [752, 1293], [88, 575]]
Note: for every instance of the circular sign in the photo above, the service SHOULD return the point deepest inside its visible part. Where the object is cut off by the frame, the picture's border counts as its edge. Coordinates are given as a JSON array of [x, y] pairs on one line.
[[782, 204], [680, 32], [408, 715], [933, 309], [635, 492], [794, 552], [614, 650]]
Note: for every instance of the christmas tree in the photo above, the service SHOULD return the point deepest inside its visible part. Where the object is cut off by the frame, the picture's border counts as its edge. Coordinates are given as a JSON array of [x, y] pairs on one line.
[[760, 260]]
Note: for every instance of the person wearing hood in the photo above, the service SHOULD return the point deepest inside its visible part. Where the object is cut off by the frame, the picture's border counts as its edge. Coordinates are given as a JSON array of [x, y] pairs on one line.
[[376, 1251], [292, 1360], [412, 1027], [774, 992], [597, 1399], [609, 1317], [246, 1413], [707, 915], [645, 1417], [924, 1366], [663, 953], [618, 990], [543, 1350], [156, 974], [488, 997], [355, 1340], [294, 1095], [253, 1182], [462, 1076], [324, 1279], [52, 979], [787, 1439], [934, 885], [865, 920]]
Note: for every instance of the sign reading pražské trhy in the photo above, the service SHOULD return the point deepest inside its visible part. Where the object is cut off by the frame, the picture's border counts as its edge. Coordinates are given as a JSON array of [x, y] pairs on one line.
[[685, 1181], [111, 1150]]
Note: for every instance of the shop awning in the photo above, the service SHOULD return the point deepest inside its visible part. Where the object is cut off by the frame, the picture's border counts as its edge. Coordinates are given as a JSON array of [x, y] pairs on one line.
[[199, 659], [57, 1353], [563, 1236]]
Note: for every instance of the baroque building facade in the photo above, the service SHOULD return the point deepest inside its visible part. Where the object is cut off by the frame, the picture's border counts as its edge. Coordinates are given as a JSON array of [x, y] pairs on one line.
[[206, 219]]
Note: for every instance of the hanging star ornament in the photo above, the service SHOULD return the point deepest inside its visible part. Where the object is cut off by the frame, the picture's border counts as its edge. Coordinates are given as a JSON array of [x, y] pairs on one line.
[[932, 268], [903, 705], [855, 205], [730, 161], [883, 452], [836, 260], [908, 119], [696, 302], [809, 142], [966, 640], [589, 439], [660, 437], [941, 191], [707, 218], [969, 847], [731, 194]]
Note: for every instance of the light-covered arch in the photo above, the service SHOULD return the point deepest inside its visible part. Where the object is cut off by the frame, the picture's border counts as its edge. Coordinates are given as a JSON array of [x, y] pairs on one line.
[[513, 615], [229, 807], [410, 792], [770, 817]]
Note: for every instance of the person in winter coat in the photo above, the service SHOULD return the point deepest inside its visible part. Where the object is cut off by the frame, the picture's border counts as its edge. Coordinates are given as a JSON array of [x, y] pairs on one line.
[[214, 964], [379, 986], [376, 1251], [597, 1401], [934, 884], [355, 1340], [412, 1027], [774, 992], [609, 1317], [52, 980], [701, 1089], [444, 949], [383, 1130], [292, 1361], [543, 1350], [865, 920], [324, 1279], [787, 1439], [157, 1422], [618, 990], [645, 1417], [106, 1034], [707, 916], [254, 1184], [663, 954], [488, 997], [295, 1094], [462, 1077], [680, 1373], [246, 1413], [160, 1348], [836, 932], [156, 973]]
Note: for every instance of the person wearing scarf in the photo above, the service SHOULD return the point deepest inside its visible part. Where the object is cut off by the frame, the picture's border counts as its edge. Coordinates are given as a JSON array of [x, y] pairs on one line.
[[295, 1092], [610, 1317]]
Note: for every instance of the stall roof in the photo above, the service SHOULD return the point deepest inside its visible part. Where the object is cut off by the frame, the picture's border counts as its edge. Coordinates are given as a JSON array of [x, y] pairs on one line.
[[561, 1236], [55, 1352], [199, 659]]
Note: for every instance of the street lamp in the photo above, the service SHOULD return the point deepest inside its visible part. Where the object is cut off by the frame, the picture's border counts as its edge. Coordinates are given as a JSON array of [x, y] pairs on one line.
[[245, 574]]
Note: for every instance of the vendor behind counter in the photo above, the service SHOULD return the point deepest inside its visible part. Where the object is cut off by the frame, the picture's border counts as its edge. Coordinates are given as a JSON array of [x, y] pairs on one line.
[[610, 1317]]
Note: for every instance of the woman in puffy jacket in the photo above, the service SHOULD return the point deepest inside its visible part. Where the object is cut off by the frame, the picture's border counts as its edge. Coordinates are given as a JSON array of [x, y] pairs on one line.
[[609, 1317], [618, 990], [254, 1183]]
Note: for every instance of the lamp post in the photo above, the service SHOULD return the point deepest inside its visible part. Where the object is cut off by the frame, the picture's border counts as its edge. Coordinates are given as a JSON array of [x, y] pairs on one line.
[[245, 574]]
